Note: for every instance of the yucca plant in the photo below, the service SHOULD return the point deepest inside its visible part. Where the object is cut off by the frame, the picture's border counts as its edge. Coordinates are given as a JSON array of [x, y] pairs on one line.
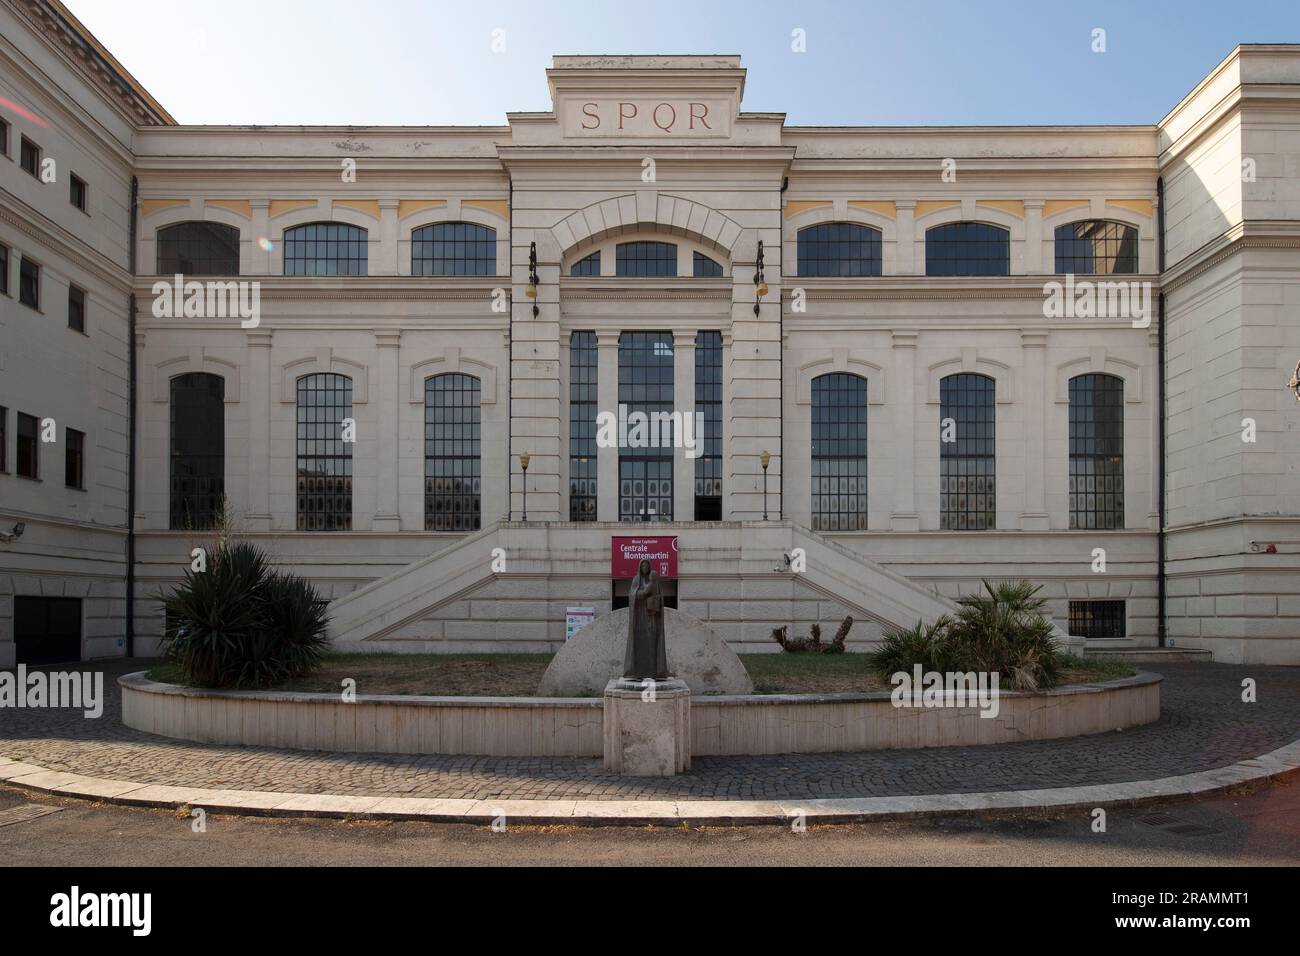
[[240, 624], [1006, 629], [902, 648]]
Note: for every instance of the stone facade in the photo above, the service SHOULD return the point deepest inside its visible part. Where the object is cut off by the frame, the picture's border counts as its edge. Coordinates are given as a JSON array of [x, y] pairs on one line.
[[659, 148]]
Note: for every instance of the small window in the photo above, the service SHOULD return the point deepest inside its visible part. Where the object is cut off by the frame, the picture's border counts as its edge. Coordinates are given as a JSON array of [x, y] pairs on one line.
[[77, 193], [1096, 247], [76, 309], [4, 439], [1097, 619], [4, 270], [4, 138], [30, 157], [28, 463], [967, 249], [646, 259], [74, 461], [29, 283], [706, 268], [590, 266], [839, 249]]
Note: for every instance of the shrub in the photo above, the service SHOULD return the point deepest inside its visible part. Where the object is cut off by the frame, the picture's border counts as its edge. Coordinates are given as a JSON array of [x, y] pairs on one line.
[[796, 645], [1002, 629], [242, 624]]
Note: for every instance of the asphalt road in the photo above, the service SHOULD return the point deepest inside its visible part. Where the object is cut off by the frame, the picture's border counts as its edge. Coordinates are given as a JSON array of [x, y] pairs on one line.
[[1260, 827]]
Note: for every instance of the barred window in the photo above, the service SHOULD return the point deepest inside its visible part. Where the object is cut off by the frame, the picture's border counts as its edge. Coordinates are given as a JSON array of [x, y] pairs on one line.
[[967, 452], [583, 379], [198, 249], [1096, 452], [454, 249], [708, 413], [198, 450], [839, 452], [967, 249], [646, 259], [324, 458], [1097, 619], [326, 249], [1096, 247], [588, 266], [645, 386], [452, 464], [706, 268], [839, 249]]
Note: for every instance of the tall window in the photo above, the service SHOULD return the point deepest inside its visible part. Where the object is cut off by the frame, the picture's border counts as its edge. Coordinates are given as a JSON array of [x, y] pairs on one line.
[[967, 457], [1096, 247], [839, 249], [198, 450], [77, 192], [29, 283], [586, 266], [29, 157], [454, 249], [74, 458], [4, 269], [198, 249], [708, 411], [1096, 451], [839, 452], [76, 309], [28, 446], [4, 138], [452, 476], [967, 249], [4, 439], [646, 259], [645, 387], [583, 379], [706, 268], [326, 249], [324, 458]]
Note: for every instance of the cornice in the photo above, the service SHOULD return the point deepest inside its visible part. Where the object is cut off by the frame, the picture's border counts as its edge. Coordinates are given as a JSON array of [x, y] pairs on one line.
[[355, 288], [53, 237], [936, 287], [1251, 234]]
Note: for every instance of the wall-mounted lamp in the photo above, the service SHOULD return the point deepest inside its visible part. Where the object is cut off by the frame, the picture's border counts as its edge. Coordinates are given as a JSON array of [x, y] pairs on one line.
[[15, 534], [532, 278], [765, 459], [524, 458], [1294, 384], [759, 281]]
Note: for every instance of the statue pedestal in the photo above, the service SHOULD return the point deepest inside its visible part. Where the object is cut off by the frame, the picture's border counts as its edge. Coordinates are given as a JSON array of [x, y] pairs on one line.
[[647, 727]]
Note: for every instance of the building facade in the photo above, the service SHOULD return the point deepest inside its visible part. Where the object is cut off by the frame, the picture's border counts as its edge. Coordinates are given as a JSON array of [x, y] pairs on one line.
[[919, 358]]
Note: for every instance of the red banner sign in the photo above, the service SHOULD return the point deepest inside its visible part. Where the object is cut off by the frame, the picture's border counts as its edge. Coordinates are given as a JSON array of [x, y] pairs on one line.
[[625, 553]]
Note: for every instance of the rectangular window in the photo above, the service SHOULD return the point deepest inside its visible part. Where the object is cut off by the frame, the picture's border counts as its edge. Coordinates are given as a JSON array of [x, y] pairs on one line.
[[77, 193], [28, 463], [708, 417], [74, 461], [29, 283], [4, 138], [30, 157], [645, 466], [4, 440], [1097, 619], [582, 424], [76, 309], [4, 270]]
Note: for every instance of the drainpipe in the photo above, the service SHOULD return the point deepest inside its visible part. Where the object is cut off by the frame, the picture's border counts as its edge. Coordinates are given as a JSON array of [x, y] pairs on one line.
[[510, 377], [1162, 631], [780, 357], [131, 426]]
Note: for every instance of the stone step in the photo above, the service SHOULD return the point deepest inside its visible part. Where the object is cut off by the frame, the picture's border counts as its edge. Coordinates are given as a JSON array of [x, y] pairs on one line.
[[1151, 654]]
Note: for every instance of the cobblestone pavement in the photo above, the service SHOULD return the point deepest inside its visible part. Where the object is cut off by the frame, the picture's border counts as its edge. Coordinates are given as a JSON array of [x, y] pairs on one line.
[[1204, 725]]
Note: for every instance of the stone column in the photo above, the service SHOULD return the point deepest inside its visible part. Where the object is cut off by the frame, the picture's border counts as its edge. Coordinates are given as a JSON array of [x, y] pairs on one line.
[[647, 727], [1034, 238], [684, 402], [387, 426], [905, 517], [607, 401], [258, 509], [259, 257], [535, 403], [1035, 398], [389, 253], [905, 253]]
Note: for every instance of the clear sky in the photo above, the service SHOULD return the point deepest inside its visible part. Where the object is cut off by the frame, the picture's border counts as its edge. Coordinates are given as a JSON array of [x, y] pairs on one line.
[[908, 62]]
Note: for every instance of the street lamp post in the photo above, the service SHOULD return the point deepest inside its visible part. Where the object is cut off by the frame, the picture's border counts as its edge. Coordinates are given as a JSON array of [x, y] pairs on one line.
[[523, 462], [765, 459]]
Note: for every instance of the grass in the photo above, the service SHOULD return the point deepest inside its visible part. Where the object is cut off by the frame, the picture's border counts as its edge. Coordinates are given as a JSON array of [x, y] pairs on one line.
[[517, 675]]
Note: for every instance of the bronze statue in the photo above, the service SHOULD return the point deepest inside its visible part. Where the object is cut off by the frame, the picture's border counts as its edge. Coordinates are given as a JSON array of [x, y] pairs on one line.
[[647, 655]]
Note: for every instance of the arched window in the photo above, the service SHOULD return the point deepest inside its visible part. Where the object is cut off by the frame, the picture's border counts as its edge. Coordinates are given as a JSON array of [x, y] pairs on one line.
[[646, 259], [588, 266], [967, 249], [326, 249], [645, 463], [198, 249], [454, 249], [452, 468], [839, 452], [583, 372], [967, 456], [198, 450], [1096, 451], [1096, 247], [706, 268], [839, 249], [325, 452]]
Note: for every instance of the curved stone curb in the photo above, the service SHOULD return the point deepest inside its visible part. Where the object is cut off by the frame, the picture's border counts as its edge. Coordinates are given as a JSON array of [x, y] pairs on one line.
[[1278, 763]]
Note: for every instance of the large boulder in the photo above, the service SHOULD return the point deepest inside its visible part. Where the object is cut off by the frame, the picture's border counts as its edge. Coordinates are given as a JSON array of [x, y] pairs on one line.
[[593, 656]]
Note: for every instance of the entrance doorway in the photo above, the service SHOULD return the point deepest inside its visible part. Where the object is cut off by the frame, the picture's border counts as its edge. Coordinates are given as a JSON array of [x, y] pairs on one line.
[[47, 630]]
